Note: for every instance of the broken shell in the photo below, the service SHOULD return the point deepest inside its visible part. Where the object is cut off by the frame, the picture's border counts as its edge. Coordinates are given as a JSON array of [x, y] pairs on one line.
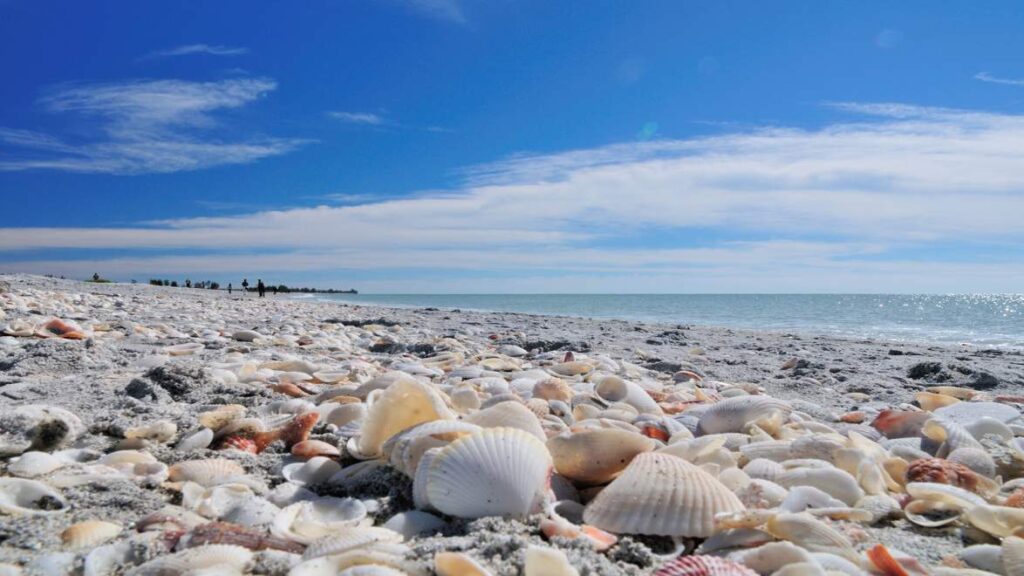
[[313, 471], [810, 534], [508, 415], [24, 497], [734, 414], [161, 431], [208, 472], [458, 564], [309, 520], [596, 456], [837, 483], [346, 539], [198, 440], [544, 561], [313, 448], [89, 534], [406, 402]]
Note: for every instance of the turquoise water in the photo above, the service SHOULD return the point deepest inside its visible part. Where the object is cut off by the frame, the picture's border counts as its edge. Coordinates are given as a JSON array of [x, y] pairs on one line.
[[996, 320]]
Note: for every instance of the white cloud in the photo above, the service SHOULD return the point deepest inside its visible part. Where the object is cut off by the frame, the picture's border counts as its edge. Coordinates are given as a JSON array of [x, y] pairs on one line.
[[189, 49], [835, 208], [448, 10], [146, 126], [986, 77], [357, 117]]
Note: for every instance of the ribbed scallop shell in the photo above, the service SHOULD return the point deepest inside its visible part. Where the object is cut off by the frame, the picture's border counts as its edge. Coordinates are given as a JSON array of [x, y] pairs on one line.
[[89, 534], [774, 450], [19, 496], [32, 464], [596, 456], [950, 435], [405, 449], [508, 415], [810, 534], [1013, 555], [733, 414], [406, 402], [207, 472], [224, 558], [703, 566], [837, 483], [345, 539], [498, 472], [664, 495], [764, 469]]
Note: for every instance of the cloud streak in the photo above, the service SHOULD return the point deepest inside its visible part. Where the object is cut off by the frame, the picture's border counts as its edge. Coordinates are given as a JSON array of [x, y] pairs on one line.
[[191, 49], [837, 208], [145, 126], [986, 77], [357, 118]]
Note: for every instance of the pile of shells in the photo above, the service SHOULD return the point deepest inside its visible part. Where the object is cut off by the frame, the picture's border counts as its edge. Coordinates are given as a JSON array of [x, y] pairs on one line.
[[590, 449]]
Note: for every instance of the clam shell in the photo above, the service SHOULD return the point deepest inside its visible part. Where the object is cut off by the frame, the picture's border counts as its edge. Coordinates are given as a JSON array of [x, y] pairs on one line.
[[207, 472], [197, 440], [406, 402], [33, 464], [313, 471], [615, 389], [458, 564], [837, 483], [309, 520], [89, 534], [810, 534], [26, 497], [497, 472], [544, 561], [986, 557], [976, 459], [999, 521], [596, 456], [414, 523], [703, 566], [212, 559], [508, 415], [346, 539], [664, 495], [734, 414]]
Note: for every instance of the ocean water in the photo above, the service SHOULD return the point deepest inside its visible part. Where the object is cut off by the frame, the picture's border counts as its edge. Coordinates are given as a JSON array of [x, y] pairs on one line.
[[980, 319]]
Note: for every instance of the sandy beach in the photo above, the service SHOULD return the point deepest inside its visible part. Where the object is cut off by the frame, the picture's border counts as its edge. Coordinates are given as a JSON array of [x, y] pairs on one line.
[[136, 366]]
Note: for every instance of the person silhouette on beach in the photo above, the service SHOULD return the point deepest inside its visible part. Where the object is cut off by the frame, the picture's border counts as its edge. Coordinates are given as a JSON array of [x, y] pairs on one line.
[[275, 290], [245, 284], [261, 288], [229, 288]]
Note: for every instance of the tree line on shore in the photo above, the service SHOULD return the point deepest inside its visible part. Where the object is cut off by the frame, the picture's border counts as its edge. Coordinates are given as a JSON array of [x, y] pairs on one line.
[[210, 285]]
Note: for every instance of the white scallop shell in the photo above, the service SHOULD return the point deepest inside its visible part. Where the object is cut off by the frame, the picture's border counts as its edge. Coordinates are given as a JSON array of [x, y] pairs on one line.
[[308, 520], [663, 495], [1013, 555], [198, 440], [810, 534], [405, 449], [26, 497], [508, 415], [226, 559], [420, 497], [615, 389], [498, 472], [412, 523], [734, 414], [833, 481], [313, 471], [345, 539], [406, 402], [206, 472], [764, 469], [32, 464]]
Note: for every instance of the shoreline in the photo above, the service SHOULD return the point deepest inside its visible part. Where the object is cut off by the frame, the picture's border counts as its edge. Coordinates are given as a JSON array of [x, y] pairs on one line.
[[245, 350]]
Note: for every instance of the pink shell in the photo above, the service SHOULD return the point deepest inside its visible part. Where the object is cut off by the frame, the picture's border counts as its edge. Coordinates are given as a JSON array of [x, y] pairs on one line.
[[703, 566]]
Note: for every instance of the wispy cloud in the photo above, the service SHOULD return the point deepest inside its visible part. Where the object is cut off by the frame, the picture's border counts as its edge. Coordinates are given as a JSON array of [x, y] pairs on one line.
[[190, 49], [358, 118], [986, 77], [145, 126], [447, 10], [836, 208]]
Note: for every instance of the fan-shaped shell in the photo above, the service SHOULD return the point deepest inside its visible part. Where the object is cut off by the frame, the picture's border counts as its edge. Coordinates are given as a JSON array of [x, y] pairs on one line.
[[405, 449], [89, 534], [498, 472], [406, 402], [32, 464], [508, 415], [810, 534], [596, 456], [764, 469], [309, 520], [206, 472], [312, 471], [664, 495], [19, 496], [345, 539], [225, 558], [837, 483], [703, 566]]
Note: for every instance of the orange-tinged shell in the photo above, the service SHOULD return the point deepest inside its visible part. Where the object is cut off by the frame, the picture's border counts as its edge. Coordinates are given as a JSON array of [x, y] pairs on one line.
[[943, 471], [852, 417], [703, 566], [884, 562], [311, 448], [553, 389], [1015, 499], [237, 535]]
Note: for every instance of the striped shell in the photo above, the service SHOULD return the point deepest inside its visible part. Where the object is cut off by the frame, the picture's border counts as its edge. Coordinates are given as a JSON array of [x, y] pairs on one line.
[[345, 539], [208, 472], [508, 415], [213, 559], [734, 414], [663, 495], [703, 566], [498, 472]]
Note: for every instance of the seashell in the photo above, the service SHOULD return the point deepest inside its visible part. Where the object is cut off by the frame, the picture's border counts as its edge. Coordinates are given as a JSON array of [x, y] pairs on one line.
[[553, 389], [881, 507], [214, 559], [931, 401], [544, 561], [660, 494], [161, 431], [287, 493], [508, 415], [27, 497], [198, 440], [941, 471], [346, 539], [458, 564], [819, 447], [89, 534], [184, 349], [221, 416], [733, 478], [512, 350], [246, 335], [733, 538], [596, 456], [810, 534], [497, 472], [703, 566], [62, 329], [734, 414], [378, 560], [900, 424], [976, 459], [404, 403], [949, 435], [571, 368], [405, 449], [761, 494], [769, 558], [1013, 555], [314, 471], [837, 483], [236, 535], [999, 521], [986, 557], [207, 472], [309, 520], [33, 464], [615, 389], [37, 427], [331, 376], [371, 570], [774, 450], [313, 448], [347, 417], [800, 498], [413, 523], [835, 565], [986, 425], [764, 469], [964, 413]]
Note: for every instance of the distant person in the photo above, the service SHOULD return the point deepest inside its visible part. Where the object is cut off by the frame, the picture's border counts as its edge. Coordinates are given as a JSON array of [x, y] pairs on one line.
[[275, 290], [261, 288], [245, 284], [96, 277], [229, 288]]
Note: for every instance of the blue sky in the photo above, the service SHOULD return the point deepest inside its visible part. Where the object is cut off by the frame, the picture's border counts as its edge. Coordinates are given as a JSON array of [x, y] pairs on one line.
[[517, 146]]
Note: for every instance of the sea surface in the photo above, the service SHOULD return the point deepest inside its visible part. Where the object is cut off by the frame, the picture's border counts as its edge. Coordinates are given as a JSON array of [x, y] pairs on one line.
[[980, 319]]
